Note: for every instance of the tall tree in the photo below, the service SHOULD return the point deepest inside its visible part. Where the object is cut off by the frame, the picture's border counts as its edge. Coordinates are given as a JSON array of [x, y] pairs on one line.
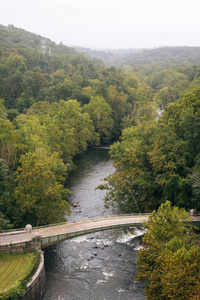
[[40, 194], [100, 113], [134, 181], [169, 259]]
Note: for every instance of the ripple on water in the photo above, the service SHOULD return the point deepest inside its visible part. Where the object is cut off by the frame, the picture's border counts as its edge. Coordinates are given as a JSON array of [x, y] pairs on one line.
[[130, 234], [98, 266]]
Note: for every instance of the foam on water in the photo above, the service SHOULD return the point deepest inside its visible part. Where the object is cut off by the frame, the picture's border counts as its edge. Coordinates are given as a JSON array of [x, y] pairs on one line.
[[138, 247], [84, 266], [108, 275], [94, 266], [104, 242], [100, 281], [80, 239], [126, 237], [121, 291]]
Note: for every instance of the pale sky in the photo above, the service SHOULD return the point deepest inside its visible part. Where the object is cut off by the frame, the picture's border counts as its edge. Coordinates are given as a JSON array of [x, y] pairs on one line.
[[108, 23]]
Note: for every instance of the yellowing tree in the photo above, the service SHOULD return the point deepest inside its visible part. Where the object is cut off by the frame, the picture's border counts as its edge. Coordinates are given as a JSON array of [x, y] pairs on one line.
[[40, 195], [170, 258]]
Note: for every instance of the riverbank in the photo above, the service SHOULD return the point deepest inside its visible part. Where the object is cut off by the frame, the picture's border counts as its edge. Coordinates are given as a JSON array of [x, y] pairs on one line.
[[15, 268], [99, 265], [22, 275]]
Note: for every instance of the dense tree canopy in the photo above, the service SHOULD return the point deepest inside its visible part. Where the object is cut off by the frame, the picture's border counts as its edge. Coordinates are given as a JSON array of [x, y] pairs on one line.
[[40, 196], [47, 138], [57, 101], [170, 258], [100, 113], [158, 160]]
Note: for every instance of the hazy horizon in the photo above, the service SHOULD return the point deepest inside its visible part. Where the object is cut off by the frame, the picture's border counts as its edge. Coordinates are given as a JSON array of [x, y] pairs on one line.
[[108, 25]]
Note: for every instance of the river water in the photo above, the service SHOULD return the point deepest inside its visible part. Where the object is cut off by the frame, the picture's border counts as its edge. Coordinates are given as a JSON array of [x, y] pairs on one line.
[[99, 266]]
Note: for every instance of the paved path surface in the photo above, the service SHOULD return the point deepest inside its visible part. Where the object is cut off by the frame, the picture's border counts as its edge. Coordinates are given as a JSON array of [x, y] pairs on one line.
[[197, 218], [15, 238], [90, 224], [75, 227]]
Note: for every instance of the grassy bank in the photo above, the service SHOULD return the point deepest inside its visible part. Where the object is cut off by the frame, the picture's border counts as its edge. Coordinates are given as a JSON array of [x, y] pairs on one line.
[[15, 271]]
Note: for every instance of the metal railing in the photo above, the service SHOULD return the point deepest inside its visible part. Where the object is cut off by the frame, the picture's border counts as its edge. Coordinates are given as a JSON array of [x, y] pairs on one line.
[[82, 221], [54, 239], [12, 230], [92, 219]]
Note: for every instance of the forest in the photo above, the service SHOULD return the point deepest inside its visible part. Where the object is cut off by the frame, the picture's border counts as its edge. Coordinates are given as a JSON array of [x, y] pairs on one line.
[[55, 102]]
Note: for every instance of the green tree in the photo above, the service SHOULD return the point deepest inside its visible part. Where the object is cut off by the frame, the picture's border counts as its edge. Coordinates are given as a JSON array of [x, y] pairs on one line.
[[3, 174], [3, 113], [155, 159], [14, 61], [180, 271], [59, 127], [171, 85], [117, 102], [134, 181], [33, 82], [69, 130], [168, 157], [100, 113], [9, 143], [169, 259], [40, 195], [141, 105]]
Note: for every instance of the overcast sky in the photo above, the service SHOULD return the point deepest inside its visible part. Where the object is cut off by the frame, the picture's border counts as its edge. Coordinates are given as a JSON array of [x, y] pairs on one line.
[[108, 23]]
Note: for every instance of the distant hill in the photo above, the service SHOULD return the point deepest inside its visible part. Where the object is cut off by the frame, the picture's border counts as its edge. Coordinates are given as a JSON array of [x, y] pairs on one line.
[[11, 36], [164, 56], [109, 56]]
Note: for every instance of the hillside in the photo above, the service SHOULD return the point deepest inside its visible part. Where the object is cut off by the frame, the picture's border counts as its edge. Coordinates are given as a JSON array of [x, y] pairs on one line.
[[13, 37], [53, 106], [109, 56], [164, 56]]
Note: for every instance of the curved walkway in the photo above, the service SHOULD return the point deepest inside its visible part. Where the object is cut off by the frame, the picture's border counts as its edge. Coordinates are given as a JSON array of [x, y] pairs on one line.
[[58, 232], [52, 235], [15, 237]]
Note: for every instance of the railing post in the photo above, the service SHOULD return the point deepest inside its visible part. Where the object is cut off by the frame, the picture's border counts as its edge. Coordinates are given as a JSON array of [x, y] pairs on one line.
[[28, 228]]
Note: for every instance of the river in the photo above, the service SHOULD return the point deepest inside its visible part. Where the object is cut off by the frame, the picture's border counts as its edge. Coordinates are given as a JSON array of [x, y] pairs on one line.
[[99, 266]]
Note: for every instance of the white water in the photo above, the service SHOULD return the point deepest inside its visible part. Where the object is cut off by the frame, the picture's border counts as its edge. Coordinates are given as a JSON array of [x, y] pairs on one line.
[[95, 266]]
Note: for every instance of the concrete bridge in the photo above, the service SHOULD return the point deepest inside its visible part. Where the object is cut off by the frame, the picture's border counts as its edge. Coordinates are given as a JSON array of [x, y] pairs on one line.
[[55, 234], [44, 236], [52, 234]]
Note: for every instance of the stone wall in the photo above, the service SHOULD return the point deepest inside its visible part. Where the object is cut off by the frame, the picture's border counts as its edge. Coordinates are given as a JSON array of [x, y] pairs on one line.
[[21, 247], [36, 288]]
